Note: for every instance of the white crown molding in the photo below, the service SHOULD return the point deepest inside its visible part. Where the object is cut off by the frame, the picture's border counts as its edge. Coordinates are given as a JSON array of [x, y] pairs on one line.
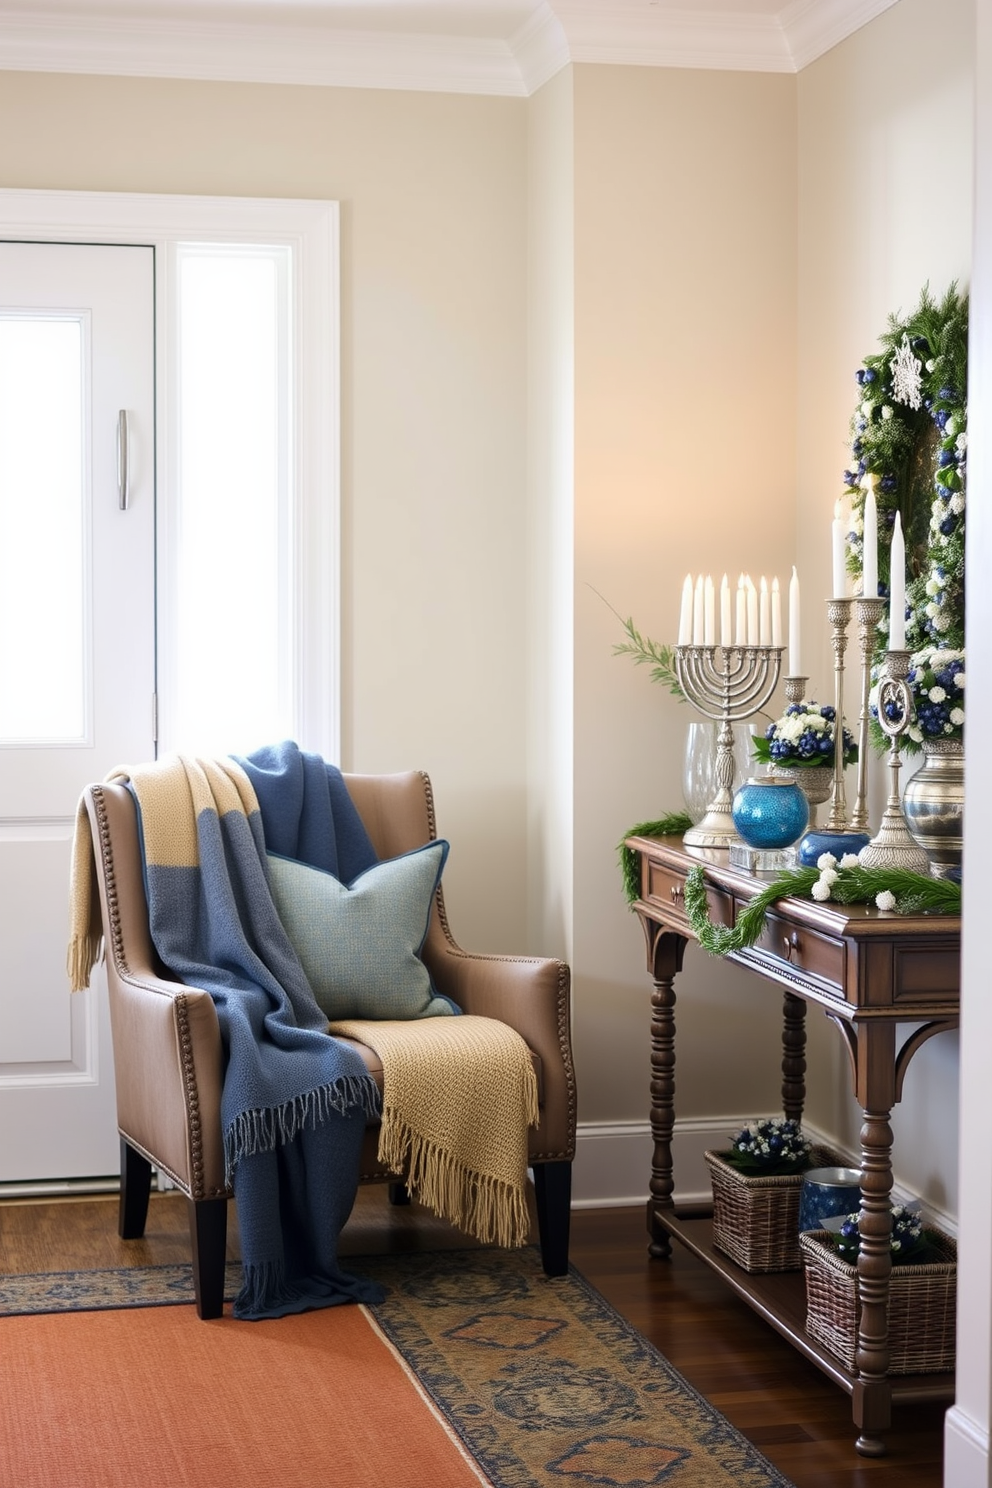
[[632, 35], [242, 52], [557, 32], [813, 27], [540, 47]]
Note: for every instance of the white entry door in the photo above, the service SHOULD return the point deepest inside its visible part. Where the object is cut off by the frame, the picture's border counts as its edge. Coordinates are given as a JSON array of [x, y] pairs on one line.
[[77, 661]]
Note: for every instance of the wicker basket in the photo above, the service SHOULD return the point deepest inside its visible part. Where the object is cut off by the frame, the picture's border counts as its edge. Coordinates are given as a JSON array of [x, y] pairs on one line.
[[756, 1219], [922, 1302]]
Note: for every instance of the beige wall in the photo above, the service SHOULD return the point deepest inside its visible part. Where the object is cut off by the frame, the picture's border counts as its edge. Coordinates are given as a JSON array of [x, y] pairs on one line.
[[685, 264], [433, 207], [550, 485], [885, 204]]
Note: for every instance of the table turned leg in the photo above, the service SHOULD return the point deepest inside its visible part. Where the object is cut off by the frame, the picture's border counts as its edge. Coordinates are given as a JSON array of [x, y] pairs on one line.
[[662, 1113], [793, 1057], [872, 1394]]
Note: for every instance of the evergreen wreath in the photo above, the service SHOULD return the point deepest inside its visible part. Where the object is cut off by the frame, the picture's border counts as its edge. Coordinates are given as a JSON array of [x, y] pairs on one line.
[[909, 431]]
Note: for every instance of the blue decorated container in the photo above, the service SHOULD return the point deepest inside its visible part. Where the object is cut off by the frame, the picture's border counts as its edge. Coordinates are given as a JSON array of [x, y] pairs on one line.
[[816, 843], [770, 812]]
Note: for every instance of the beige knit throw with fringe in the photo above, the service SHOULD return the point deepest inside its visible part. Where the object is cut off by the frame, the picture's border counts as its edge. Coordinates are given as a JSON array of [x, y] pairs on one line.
[[458, 1097]]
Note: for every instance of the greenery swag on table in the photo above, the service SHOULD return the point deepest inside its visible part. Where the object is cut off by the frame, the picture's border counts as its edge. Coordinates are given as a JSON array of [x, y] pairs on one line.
[[890, 889], [909, 432], [676, 824], [893, 890]]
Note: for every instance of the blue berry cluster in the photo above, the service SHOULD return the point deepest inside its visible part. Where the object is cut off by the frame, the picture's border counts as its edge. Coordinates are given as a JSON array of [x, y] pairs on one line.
[[771, 1146], [907, 1232]]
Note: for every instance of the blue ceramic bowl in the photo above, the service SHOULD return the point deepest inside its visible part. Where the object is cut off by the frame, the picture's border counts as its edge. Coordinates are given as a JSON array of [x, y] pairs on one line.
[[770, 812], [814, 844]]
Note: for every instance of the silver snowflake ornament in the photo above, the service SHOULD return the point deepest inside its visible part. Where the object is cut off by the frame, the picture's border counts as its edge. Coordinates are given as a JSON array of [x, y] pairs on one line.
[[906, 379]]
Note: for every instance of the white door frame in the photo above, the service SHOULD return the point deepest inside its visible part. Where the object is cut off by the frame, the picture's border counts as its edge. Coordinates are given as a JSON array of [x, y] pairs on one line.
[[311, 228]]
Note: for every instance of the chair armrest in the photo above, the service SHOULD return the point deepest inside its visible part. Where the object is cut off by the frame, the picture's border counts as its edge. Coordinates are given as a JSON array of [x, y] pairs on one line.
[[168, 1059], [168, 1065], [532, 995]]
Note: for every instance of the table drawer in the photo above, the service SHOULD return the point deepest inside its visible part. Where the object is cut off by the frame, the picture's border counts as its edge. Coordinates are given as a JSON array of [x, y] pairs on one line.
[[810, 951], [666, 888]]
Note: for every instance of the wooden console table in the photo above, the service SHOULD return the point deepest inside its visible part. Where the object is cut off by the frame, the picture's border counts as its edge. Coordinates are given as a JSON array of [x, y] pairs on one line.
[[869, 972]]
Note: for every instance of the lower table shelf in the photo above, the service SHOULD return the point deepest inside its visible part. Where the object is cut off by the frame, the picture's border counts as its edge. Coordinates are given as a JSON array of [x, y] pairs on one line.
[[780, 1298]]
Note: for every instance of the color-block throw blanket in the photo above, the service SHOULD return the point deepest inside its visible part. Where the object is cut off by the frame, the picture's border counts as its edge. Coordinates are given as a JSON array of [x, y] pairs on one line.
[[458, 1096], [295, 1101]]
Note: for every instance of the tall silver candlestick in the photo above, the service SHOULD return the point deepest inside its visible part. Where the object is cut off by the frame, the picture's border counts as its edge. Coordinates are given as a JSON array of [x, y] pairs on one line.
[[839, 615], [728, 684], [868, 611], [892, 846]]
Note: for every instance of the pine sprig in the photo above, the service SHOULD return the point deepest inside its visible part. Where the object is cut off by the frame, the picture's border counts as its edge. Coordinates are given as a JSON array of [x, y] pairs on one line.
[[676, 824], [643, 650], [915, 893]]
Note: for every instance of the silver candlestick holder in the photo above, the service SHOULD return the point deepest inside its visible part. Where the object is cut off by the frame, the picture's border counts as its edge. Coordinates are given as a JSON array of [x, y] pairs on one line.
[[868, 612], [893, 847], [839, 615], [728, 684], [794, 689]]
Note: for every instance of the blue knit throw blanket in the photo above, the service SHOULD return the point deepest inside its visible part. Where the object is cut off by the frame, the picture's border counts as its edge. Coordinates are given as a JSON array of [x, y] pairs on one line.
[[295, 1101]]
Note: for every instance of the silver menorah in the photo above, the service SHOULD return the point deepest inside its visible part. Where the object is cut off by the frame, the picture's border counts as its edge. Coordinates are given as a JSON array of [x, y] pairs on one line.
[[728, 684]]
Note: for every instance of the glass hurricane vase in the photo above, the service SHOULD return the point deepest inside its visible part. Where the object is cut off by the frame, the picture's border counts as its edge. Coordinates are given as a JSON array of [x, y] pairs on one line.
[[699, 783]]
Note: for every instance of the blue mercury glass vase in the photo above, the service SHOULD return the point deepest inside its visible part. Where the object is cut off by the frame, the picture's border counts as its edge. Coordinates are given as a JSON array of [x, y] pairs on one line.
[[769, 812]]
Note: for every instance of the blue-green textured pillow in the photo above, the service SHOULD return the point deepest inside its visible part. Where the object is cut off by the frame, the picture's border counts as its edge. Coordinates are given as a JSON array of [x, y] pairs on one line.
[[360, 944]]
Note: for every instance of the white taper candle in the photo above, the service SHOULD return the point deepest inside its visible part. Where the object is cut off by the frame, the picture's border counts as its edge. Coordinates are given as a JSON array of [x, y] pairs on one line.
[[685, 613], [869, 561], [897, 582], [795, 647]]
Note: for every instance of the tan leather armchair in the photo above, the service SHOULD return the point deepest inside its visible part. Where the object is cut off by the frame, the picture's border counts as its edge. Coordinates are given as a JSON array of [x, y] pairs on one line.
[[167, 1048]]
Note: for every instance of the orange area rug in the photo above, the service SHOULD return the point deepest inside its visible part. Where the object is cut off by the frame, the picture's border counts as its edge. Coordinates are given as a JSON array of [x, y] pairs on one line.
[[527, 1383], [155, 1398]]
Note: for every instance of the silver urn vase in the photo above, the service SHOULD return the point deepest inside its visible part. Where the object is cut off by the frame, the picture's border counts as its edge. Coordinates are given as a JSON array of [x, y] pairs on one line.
[[815, 781], [933, 805]]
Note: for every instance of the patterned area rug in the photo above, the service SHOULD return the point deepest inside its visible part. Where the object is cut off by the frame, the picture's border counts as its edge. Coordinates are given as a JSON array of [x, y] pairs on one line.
[[542, 1380]]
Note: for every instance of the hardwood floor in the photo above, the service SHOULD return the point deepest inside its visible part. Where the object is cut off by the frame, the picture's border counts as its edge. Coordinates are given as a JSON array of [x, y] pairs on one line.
[[796, 1417]]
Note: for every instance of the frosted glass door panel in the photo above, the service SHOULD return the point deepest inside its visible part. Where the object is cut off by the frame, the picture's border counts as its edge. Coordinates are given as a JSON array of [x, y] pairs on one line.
[[77, 663], [43, 504], [234, 672]]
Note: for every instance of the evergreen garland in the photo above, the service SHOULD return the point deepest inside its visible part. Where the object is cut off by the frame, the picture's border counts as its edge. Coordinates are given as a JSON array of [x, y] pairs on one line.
[[914, 893], [909, 432], [676, 824]]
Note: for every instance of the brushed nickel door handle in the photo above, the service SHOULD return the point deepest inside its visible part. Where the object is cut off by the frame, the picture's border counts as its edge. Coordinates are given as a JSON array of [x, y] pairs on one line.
[[123, 461]]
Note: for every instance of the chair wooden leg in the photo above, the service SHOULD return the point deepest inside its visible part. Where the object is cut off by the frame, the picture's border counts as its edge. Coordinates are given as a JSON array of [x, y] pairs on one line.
[[553, 1191], [136, 1186], [208, 1237]]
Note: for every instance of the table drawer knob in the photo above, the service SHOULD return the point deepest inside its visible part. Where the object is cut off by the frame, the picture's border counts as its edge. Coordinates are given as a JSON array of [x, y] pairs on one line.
[[678, 893], [790, 946]]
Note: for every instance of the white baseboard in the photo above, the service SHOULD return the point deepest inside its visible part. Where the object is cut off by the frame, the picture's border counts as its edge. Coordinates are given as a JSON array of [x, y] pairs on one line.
[[612, 1167], [966, 1451]]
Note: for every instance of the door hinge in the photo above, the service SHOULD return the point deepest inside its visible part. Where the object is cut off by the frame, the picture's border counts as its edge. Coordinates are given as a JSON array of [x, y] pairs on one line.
[[154, 717]]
